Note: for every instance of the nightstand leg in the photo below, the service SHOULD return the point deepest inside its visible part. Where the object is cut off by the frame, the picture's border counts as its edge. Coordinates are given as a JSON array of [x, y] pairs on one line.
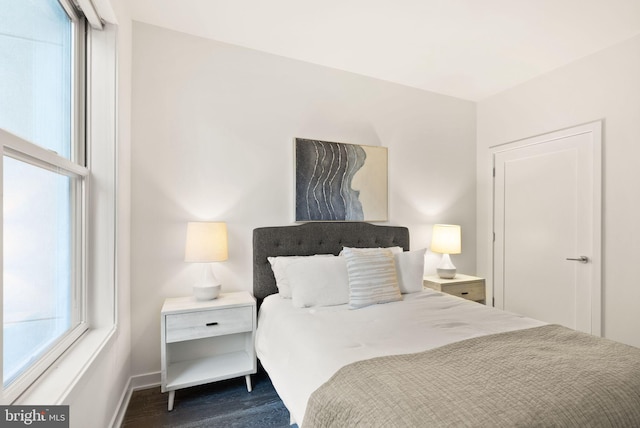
[[248, 379], [172, 395]]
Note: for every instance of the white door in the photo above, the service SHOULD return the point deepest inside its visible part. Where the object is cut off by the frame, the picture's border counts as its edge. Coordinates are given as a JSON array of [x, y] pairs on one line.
[[547, 210]]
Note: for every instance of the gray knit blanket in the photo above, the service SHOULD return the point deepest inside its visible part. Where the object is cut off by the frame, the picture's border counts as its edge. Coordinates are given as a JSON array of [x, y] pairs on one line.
[[547, 376]]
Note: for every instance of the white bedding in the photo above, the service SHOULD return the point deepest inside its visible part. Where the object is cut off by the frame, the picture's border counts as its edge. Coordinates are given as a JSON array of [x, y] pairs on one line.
[[301, 348]]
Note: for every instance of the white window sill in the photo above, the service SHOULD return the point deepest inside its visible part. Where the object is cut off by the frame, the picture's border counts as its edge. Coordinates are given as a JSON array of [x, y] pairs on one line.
[[59, 380]]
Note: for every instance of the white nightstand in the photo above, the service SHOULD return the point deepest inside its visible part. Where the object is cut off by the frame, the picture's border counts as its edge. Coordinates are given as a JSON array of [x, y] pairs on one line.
[[207, 341], [465, 286]]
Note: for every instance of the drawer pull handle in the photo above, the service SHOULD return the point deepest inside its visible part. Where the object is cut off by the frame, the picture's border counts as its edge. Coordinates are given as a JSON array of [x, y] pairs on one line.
[[209, 324], [464, 293]]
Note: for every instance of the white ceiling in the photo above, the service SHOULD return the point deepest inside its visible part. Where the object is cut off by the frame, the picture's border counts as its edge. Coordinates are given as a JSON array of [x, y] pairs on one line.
[[469, 49]]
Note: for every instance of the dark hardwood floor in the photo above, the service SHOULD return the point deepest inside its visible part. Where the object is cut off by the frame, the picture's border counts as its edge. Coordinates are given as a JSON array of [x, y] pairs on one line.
[[221, 404]]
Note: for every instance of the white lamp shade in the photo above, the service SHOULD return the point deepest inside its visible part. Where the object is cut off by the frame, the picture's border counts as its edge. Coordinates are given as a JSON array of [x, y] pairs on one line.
[[206, 242], [446, 239]]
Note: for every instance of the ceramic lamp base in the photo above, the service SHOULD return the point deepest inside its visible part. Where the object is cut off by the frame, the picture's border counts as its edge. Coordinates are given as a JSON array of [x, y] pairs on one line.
[[206, 292], [446, 270], [209, 286], [446, 273]]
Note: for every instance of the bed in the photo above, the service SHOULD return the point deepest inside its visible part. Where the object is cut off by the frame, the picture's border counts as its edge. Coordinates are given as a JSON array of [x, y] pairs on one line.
[[425, 359]]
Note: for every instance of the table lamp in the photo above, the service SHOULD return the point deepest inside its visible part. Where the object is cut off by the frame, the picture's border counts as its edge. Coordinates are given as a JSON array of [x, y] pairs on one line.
[[206, 243], [446, 240]]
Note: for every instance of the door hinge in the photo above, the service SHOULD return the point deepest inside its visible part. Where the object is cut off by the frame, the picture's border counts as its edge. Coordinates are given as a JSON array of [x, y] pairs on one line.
[[494, 237], [493, 302], [494, 171]]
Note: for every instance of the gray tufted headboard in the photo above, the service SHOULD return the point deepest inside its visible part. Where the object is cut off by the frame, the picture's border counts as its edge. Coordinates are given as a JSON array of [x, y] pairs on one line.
[[315, 238]]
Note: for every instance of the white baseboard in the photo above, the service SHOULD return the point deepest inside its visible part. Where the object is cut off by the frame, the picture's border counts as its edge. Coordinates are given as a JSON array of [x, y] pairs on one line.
[[145, 381], [135, 383], [118, 417]]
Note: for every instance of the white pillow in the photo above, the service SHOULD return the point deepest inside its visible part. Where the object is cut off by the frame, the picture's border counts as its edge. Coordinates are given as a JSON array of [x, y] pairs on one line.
[[318, 281], [278, 266], [410, 270], [372, 276], [394, 250]]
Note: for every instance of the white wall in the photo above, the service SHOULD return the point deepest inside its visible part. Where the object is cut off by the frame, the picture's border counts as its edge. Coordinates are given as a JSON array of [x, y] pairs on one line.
[[602, 86], [213, 129]]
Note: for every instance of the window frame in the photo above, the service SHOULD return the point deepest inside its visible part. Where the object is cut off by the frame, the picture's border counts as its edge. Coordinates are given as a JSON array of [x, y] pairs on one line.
[[77, 168]]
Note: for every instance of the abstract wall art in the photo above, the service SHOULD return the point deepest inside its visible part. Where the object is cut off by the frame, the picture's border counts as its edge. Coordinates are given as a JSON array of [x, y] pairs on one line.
[[340, 182]]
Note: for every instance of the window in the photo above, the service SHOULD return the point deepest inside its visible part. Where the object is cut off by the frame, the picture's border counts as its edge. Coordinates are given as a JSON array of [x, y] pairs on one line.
[[44, 183]]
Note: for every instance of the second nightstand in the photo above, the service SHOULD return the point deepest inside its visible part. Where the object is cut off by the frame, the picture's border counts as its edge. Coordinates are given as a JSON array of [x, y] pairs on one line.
[[465, 286], [207, 341]]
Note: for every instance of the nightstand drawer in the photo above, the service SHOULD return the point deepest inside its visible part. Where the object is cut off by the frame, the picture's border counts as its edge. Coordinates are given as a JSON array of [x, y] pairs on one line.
[[196, 325], [465, 286], [466, 291]]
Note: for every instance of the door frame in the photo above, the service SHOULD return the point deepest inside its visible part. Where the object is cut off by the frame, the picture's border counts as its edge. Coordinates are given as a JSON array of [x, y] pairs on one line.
[[595, 129]]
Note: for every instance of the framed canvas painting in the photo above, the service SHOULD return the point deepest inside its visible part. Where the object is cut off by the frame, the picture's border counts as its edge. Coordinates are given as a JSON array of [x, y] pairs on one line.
[[340, 182]]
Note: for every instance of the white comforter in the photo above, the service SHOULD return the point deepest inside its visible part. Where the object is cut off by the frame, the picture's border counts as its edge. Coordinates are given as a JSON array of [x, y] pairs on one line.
[[302, 348]]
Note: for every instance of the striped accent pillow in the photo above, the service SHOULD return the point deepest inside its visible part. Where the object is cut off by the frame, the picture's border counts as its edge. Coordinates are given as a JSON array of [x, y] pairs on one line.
[[372, 276]]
